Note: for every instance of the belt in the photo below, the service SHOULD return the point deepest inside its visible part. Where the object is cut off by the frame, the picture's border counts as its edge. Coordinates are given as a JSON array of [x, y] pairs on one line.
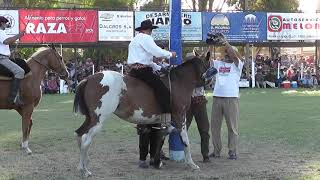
[[138, 66]]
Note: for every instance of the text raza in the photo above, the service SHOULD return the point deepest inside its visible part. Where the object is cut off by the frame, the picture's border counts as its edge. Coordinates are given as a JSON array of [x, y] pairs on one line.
[[46, 28]]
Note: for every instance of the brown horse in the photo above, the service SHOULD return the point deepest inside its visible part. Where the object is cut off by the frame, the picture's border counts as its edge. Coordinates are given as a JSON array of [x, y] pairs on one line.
[[107, 92], [30, 92]]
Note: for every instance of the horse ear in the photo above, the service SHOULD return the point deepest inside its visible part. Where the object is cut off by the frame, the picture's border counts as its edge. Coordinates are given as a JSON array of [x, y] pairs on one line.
[[196, 53], [52, 46], [208, 56]]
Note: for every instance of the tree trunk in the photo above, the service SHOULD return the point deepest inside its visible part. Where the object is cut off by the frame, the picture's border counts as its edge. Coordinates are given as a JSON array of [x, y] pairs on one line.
[[194, 8], [203, 5], [210, 5]]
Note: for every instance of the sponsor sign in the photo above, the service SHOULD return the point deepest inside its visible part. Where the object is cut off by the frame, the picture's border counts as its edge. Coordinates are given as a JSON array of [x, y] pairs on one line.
[[115, 25], [237, 27], [13, 17], [191, 24], [59, 26], [293, 26]]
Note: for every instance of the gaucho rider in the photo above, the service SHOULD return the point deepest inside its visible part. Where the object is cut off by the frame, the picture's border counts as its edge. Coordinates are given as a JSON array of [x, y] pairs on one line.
[[5, 53], [142, 49]]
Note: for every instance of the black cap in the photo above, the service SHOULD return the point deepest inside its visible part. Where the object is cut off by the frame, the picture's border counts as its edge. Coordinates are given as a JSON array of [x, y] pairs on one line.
[[146, 24]]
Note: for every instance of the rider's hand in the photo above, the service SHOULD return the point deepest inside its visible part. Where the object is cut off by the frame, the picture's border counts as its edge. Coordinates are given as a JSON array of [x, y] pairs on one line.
[[174, 54]]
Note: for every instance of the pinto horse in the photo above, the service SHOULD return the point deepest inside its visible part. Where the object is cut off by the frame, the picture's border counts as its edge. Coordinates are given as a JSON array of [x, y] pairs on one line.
[[30, 90], [109, 92]]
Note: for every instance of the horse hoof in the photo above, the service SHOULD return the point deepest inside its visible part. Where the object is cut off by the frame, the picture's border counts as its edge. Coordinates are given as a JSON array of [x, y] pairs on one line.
[[194, 167], [158, 166], [85, 173], [27, 151]]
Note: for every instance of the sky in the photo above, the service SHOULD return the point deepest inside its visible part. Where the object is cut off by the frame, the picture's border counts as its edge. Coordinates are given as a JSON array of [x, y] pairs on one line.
[[307, 6]]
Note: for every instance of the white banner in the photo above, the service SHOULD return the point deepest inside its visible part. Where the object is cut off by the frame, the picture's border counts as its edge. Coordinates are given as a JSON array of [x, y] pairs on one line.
[[115, 25], [293, 26], [13, 17]]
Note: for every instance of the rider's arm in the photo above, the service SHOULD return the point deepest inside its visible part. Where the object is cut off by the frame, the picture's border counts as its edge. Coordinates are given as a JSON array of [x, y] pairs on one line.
[[13, 39], [151, 47]]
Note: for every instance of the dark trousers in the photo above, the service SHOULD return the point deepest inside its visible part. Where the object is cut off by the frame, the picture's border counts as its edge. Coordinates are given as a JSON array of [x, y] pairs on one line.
[[149, 137], [198, 110], [161, 91]]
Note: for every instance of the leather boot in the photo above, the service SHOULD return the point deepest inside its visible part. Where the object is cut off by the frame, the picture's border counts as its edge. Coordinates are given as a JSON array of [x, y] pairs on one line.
[[14, 98]]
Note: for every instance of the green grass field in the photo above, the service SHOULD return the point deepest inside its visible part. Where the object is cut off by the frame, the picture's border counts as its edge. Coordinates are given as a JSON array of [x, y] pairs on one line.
[[279, 139]]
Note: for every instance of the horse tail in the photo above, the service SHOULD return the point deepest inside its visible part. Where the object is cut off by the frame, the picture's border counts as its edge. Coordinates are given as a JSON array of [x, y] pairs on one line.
[[79, 103]]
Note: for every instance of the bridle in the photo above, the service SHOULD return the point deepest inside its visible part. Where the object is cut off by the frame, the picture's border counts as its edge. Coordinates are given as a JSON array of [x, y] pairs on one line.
[[46, 66]]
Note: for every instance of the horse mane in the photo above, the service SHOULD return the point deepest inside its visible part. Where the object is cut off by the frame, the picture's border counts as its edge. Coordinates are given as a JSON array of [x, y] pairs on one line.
[[193, 61], [39, 51]]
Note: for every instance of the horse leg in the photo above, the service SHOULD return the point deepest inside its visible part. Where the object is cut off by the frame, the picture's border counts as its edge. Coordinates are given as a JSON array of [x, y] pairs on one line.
[[26, 128], [187, 151], [89, 129]]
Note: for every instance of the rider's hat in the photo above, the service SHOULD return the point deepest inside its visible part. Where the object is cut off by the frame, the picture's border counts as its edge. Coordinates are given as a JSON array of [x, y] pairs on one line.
[[146, 24]]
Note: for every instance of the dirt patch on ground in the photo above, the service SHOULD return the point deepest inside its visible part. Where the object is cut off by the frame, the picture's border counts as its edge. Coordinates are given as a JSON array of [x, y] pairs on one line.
[[119, 161]]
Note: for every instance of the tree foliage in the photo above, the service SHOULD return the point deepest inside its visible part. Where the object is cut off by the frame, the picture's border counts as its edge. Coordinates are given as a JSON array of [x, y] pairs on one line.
[[266, 5]]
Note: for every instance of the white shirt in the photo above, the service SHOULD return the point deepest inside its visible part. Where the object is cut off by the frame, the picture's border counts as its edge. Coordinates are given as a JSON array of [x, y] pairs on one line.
[[4, 49], [142, 49], [227, 79]]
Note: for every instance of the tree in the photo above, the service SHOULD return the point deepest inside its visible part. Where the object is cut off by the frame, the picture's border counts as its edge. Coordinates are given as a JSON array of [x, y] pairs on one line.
[[207, 5], [155, 5], [266, 5]]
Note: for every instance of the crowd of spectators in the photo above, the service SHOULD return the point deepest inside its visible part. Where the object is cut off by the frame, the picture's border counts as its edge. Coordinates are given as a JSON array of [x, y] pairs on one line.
[[77, 72], [286, 69], [292, 69]]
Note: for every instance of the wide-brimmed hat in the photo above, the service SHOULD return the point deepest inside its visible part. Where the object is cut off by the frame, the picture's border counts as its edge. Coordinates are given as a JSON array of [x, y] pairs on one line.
[[146, 24], [3, 19]]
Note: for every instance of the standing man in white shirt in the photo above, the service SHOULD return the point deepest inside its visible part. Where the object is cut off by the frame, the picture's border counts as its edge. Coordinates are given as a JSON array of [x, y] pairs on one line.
[[142, 49], [5, 53], [226, 100]]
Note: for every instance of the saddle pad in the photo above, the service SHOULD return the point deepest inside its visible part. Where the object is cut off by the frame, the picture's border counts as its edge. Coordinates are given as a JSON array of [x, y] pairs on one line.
[[21, 62]]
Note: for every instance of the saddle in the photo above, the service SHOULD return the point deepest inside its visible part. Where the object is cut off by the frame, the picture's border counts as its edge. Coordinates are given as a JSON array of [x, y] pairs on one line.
[[5, 74]]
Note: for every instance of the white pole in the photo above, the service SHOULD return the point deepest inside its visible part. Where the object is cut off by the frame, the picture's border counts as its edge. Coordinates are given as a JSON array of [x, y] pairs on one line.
[[92, 69], [122, 69], [252, 69]]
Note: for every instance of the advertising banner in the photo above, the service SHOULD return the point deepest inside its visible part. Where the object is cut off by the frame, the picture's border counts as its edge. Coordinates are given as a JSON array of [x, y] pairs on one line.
[[115, 25], [13, 17], [237, 27], [293, 26], [59, 26], [191, 24]]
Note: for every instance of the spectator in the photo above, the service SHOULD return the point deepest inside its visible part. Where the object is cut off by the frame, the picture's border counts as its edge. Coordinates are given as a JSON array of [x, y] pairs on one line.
[[226, 101], [52, 85]]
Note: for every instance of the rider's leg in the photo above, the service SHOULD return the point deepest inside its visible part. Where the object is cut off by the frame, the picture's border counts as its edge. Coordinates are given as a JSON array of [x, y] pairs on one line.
[[162, 93], [18, 73]]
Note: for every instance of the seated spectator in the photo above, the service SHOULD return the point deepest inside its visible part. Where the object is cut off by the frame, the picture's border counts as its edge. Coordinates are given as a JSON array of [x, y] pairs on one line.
[[52, 85], [307, 80], [259, 79], [270, 80]]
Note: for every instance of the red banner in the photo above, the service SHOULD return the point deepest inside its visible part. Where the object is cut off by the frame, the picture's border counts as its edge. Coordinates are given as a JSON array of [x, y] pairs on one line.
[[59, 26]]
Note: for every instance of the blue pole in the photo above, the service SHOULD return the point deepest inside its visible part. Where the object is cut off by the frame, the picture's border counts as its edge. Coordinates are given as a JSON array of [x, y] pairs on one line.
[[175, 31], [176, 147]]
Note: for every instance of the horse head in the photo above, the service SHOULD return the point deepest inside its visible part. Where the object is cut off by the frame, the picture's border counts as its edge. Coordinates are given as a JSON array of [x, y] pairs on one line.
[[51, 59], [56, 62], [203, 70]]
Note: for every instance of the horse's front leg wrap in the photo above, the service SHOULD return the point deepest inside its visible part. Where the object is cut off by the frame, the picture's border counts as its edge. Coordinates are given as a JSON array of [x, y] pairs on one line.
[[187, 151]]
